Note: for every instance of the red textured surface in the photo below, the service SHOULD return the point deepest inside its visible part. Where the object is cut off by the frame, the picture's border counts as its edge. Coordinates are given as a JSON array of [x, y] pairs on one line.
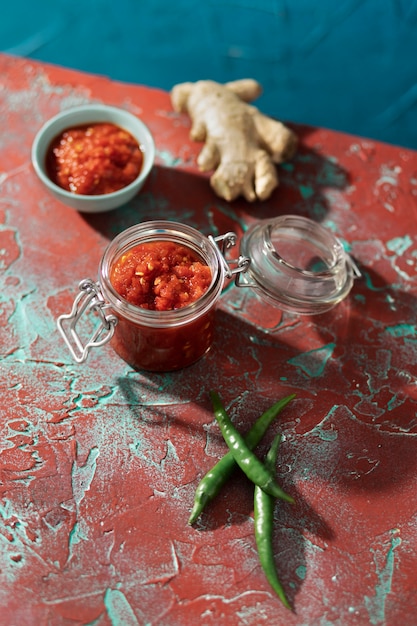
[[99, 463]]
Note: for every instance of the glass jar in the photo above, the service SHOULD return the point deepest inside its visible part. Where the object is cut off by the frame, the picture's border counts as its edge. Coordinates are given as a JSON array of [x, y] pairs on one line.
[[290, 262], [148, 339]]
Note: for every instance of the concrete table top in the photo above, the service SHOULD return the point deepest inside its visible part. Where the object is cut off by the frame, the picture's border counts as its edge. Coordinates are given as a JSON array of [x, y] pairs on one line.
[[99, 462]]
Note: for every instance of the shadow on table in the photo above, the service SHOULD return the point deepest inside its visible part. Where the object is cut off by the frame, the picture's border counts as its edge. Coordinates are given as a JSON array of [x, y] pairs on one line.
[[347, 427], [233, 505], [375, 369], [350, 429], [174, 194]]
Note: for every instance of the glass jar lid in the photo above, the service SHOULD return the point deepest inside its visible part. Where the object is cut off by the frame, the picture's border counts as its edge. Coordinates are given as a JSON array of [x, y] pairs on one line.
[[297, 264]]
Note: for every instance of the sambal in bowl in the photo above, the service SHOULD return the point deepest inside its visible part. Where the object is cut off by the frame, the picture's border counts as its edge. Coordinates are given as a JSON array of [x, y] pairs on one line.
[[94, 157]]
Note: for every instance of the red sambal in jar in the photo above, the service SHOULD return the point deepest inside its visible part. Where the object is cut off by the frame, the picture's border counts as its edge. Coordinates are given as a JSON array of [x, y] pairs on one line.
[[160, 276], [161, 279], [94, 159]]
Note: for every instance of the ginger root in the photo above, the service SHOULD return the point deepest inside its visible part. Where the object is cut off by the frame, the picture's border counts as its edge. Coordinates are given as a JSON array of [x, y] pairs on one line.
[[241, 144]]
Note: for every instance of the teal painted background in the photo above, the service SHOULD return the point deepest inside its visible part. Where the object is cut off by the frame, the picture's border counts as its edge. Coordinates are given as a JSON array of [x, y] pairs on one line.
[[349, 65]]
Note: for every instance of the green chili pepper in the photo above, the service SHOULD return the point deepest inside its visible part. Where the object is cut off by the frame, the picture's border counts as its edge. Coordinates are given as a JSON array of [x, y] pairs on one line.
[[264, 520], [211, 483], [249, 463]]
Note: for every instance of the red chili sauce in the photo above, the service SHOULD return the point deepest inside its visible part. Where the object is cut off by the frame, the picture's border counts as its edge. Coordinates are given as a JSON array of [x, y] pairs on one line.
[[160, 276], [94, 159]]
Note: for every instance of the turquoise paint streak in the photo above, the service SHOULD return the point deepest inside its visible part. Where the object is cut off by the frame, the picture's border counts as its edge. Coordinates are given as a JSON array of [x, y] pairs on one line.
[[330, 225], [314, 361], [402, 330], [369, 284], [22, 324], [118, 609], [326, 434], [399, 244], [318, 211], [169, 159], [376, 605], [306, 191], [82, 477], [76, 535]]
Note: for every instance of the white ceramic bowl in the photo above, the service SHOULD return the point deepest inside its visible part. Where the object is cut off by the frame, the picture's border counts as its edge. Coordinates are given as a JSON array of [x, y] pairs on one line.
[[81, 115]]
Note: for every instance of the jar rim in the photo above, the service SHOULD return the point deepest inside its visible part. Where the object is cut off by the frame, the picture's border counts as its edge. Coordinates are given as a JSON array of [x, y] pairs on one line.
[[161, 230]]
